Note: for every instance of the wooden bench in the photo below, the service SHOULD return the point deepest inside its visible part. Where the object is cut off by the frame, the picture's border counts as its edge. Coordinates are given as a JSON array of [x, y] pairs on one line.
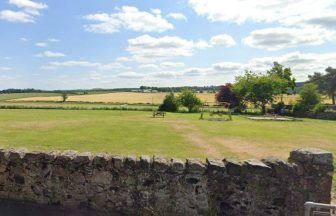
[[159, 113]]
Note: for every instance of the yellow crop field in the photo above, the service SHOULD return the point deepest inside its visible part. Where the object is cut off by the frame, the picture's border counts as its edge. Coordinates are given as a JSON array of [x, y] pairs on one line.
[[118, 97], [290, 99], [136, 98]]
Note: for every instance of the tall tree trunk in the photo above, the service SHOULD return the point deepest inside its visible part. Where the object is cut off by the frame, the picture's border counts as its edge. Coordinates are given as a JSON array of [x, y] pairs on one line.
[[333, 98]]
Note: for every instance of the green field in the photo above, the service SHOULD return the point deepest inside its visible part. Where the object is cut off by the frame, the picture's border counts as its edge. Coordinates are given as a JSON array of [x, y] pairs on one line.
[[177, 135], [4, 97]]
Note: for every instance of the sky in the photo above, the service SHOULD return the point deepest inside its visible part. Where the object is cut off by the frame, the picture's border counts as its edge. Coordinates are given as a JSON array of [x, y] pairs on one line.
[[68, 44]]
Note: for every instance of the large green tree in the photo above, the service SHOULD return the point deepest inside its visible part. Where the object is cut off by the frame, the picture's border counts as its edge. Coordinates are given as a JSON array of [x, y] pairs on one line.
[[258, 89], [189, 99], [285, 74], [326, 82]]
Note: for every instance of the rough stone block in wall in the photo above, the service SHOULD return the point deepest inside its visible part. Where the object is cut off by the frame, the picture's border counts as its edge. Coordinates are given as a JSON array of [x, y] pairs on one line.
[[162, 186]]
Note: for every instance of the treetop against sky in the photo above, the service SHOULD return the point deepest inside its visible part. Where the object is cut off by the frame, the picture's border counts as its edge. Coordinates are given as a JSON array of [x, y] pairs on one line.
[[112, 43]]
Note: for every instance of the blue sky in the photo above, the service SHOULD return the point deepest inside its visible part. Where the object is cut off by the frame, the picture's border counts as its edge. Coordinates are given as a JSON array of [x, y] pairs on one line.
[[112, 43]]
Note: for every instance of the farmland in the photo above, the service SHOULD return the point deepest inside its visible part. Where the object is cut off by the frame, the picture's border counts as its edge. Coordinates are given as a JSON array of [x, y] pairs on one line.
[[123, 97], [118, 97]]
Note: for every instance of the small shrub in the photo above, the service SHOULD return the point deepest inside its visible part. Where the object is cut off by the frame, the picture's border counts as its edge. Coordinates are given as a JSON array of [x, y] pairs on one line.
[[319, 108], [170, 104], [309, 95], [300, 108]]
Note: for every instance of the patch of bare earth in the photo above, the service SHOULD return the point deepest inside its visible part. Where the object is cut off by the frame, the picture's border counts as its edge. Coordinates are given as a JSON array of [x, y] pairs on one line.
[[247, 149], [212, 147], [191, 133]]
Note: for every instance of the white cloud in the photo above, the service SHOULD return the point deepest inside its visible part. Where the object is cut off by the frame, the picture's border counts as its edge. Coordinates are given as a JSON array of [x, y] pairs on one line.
[[202, 44], [228, 67], [302, 64], [168, 64], [190, 72], [85, 64], [23, 39], [166, 75], [29, 10], [156, 11], [324, 21], [50, 54], [130, 75], [280, 37], [301, 22], [223, 40], [5, 68], [149, 67], [16, 16], [148, 48], [41, 44], [67, 64], [161, 66], [54, 40], [240, 11], [29, 6], [128, 17], [177, 16], [124, 59]]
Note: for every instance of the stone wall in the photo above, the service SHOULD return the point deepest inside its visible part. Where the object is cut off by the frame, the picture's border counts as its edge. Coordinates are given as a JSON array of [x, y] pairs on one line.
[[324, 115], [158, 186]]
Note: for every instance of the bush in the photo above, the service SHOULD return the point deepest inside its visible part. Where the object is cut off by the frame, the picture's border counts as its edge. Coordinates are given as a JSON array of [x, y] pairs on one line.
[[319, 108], [300, 108], [309, 95], [170, 104]]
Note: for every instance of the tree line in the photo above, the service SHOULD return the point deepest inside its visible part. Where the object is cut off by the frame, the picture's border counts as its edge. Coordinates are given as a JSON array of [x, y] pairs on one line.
[[262, 89]]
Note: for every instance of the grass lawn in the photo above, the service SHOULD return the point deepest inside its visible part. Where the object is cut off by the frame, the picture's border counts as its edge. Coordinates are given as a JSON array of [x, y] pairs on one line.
[[177, 135]]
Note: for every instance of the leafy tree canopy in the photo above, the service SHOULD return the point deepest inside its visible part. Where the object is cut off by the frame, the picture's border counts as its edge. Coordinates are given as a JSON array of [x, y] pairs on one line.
[[284, 73], [189, 99], [326, 82], [258, 89], [227, 95]]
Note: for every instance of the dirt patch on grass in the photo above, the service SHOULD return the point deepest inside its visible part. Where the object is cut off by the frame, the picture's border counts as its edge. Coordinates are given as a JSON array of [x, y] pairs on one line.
[[245, 149], [194, 136], [214, 147]]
